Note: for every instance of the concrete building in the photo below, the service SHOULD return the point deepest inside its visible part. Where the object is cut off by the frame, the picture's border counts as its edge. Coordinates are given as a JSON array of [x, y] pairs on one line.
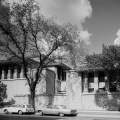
[[83, 89]]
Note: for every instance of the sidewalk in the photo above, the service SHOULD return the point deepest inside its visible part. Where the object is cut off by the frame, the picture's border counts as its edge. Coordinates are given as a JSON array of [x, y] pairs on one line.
[[107, 114]]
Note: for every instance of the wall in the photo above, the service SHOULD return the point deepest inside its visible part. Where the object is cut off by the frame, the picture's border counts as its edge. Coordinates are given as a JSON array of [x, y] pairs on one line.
[[15, 87]]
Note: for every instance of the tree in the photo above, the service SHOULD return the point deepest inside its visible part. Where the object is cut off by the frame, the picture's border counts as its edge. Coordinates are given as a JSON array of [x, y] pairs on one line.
[[108, 60], [27, 33], [3, 94], [77, 49]]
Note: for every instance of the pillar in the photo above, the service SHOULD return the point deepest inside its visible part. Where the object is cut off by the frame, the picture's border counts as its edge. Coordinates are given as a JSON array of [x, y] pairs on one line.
[[85, 82], [107, 81], [80, 79], [3, 74], [22, 73], [96, 82], [56, 73], [9, 73], [15, 72]]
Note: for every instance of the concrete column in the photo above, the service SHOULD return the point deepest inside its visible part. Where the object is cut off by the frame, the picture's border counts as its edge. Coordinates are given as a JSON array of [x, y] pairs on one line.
[[3, 74], [80, 82], [22, 73], [107, 81], [9, 73], [15, 73], [96, 82], [79, 95], [85, 82], [56, 84], [56, 73]]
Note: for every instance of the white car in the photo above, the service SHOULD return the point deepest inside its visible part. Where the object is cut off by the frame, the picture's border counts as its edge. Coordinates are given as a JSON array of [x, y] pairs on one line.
[[18, 109], [57, 110]]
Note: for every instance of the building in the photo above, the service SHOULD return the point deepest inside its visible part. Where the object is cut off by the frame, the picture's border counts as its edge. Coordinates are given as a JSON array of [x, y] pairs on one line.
[[83, 89], [11, 73]]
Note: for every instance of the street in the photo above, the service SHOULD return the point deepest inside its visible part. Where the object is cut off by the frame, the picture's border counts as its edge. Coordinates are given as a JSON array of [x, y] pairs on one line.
[[37, 117]]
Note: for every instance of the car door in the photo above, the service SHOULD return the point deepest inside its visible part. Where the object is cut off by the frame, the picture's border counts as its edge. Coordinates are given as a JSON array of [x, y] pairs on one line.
[[11, 108], [55, 110], [48, 110]]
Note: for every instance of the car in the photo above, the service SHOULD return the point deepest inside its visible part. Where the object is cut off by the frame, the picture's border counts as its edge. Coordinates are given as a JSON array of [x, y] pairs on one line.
[[60, 110], [20, 109]]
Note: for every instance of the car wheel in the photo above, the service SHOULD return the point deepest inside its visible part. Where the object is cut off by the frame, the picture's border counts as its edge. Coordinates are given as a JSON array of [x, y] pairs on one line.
[[6, 111], [20, 112], [40, 112], [61, 114]]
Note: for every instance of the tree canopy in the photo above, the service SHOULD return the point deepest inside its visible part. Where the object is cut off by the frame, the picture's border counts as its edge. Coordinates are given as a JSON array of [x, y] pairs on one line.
[[108, 59]]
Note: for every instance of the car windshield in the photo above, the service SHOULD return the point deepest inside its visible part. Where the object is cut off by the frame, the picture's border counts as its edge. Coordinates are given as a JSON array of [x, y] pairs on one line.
[[22, 106], [63, 107], [29, 106]]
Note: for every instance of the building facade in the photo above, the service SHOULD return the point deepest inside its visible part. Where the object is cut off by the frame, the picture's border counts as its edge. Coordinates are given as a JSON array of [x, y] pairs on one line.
[[83, 89]]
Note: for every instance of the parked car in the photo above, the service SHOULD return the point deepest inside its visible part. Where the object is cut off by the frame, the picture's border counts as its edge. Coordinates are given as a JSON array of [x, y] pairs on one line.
[[24, 108], [57, 110]]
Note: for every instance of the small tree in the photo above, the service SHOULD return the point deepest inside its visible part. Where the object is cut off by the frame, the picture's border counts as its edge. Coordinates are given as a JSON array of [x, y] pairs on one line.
[[26, 33], [3, 93]]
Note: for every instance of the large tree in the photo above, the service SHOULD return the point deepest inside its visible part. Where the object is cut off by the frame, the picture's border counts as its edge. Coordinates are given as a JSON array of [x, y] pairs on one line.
[[26, 33]]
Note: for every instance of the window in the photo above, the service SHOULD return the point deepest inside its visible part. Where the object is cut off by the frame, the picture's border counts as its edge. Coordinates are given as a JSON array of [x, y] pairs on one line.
[[0, 74], [11, 73], [5, 73], [101, 76], [91, 82], [112, 81], [18, 72], [56, 107], [49, 106], [22, 106], [63, 75]]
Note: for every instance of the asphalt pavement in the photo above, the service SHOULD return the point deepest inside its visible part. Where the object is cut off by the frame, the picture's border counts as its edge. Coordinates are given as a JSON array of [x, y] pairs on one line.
[[104, 114]]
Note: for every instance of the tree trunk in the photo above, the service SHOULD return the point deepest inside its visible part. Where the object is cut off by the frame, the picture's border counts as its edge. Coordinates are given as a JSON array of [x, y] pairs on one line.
[[33, 98]]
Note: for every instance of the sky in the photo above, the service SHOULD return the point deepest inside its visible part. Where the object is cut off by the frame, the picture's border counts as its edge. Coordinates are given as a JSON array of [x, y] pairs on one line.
[[98, 20]]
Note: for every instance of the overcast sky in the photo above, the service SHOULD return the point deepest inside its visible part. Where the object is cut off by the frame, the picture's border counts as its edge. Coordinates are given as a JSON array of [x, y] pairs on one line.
[[98, 20]]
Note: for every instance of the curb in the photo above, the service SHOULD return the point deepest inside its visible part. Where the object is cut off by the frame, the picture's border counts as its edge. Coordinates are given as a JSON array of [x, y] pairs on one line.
[[1, 110], [104, 116]]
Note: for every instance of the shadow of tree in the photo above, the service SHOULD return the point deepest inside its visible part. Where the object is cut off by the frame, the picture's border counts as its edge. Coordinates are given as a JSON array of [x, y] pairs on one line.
[[49, 99], [108, 101]]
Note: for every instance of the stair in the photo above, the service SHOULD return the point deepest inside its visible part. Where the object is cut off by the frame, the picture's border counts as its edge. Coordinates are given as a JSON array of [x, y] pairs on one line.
[[62, 92]]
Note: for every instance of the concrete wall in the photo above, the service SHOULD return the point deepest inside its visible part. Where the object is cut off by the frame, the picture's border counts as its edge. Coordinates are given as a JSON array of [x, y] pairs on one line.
[[15, 87]]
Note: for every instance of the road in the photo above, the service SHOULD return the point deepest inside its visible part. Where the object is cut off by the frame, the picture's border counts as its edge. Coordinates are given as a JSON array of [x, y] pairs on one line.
[[36, 117]]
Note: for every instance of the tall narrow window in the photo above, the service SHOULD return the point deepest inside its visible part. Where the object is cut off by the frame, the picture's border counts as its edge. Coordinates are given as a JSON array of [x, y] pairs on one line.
[[91, 81], [0, 74], [101, 76], [18, 72], [12, 73], [5, 73]]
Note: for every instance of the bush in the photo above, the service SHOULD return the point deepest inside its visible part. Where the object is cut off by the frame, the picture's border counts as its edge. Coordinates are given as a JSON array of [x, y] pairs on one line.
[[10, 102]]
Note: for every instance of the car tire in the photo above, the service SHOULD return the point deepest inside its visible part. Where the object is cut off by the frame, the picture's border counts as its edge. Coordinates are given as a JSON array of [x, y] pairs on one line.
[[6, 111], [20, 112], [40, 112], [61, 114]]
